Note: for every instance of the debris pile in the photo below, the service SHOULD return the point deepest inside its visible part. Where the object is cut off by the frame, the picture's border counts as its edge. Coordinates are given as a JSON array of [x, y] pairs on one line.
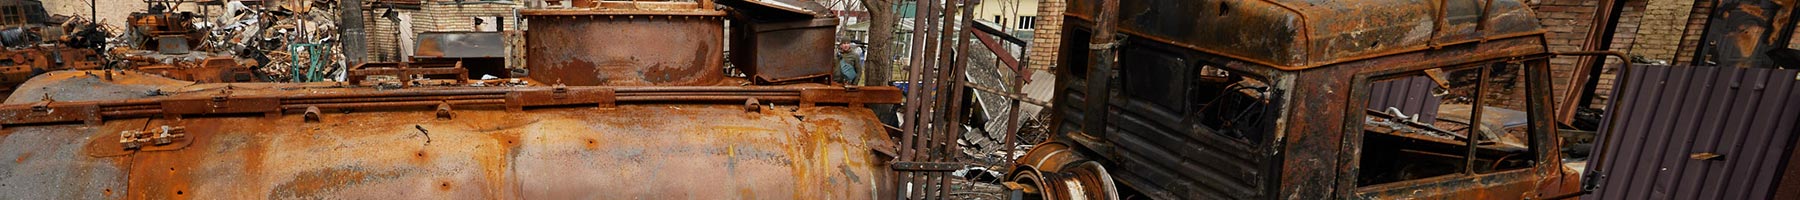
[[295, 41]]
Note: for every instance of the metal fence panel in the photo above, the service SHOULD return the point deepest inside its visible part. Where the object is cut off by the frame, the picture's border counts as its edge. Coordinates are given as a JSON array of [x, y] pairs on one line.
[[1697, 133]]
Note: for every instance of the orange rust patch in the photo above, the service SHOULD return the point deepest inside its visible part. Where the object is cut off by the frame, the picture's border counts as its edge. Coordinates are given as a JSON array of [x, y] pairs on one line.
[[167, 174], [421, 157], [324, 181], [593, 143], [22, 157], [444, 185]]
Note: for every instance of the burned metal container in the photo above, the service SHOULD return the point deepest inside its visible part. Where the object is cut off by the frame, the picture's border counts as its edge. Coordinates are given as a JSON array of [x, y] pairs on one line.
[[465, 44], [626, 44], [1300, 112], [783, 40], [484, 53], [790, 50]]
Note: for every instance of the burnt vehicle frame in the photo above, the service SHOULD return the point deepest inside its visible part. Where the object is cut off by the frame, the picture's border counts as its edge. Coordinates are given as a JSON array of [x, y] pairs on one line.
[[1317, 91]]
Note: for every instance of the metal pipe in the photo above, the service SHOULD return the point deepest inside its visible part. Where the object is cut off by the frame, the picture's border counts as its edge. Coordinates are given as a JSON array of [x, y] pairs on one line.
[[711, 98], [123, 113], [1475, 122], [394, 104], [1565, 110], [1016, 96], [1102, 52], [390, 99], [1606, 18], [956, 97], [1597, 160], [910, 142], [708, 94]]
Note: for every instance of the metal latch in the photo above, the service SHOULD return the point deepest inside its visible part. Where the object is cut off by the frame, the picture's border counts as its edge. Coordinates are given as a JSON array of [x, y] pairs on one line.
[[559, 91], [136, 139]]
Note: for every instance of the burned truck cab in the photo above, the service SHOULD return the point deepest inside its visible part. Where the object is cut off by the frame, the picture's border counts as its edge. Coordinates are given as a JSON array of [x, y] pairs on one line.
[[1289, 99]]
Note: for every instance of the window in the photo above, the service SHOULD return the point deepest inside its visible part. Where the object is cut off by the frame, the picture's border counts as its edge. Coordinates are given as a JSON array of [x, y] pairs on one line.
[[1027, 22], [1421, 125], [1196, 97]]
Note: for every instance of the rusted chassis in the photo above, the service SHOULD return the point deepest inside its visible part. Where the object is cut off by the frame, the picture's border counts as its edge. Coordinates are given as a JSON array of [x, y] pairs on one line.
[[255, 141], [1319, 71]]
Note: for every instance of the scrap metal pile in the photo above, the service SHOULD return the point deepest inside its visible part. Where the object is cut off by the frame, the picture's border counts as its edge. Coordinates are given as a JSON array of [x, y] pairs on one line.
[[296, 41], [63, 43]]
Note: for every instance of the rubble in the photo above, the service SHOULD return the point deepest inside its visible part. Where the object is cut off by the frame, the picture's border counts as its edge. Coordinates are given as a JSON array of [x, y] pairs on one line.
[[296, 41]]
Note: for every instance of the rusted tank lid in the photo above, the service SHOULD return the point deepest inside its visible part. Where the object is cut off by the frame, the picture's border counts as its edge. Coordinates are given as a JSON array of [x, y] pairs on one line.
[[779, 9], [623, 8]]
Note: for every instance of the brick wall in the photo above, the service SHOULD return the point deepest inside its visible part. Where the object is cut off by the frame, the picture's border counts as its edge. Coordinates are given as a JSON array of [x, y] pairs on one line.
[[383, 34], [1696, 25], [1665, 21], [1048, 35], [1569, 21], [437, 15], [445, 15]]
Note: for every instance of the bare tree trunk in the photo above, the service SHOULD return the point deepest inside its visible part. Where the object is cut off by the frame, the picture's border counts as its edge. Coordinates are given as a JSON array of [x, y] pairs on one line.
[[881, 41]]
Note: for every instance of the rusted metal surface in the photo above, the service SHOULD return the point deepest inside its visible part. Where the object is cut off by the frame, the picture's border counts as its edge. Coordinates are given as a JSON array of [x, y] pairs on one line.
[[461, 45], [219, 69], [931, 120], [1697, 133], [273, 99], [1294, 34], [626, 46], [269, 140], [790, 50], [17, 66], [1306, 69], [405, 72], [787, 40], [780, 9], [167, 31]]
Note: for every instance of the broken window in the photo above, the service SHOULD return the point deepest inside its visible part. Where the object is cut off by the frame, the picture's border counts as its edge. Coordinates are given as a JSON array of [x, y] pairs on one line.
[[1418, 125], [1232, 105], [1198, 97]]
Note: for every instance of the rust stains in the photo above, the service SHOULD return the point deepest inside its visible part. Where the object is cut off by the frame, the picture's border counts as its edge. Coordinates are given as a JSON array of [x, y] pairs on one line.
[[316, 183]]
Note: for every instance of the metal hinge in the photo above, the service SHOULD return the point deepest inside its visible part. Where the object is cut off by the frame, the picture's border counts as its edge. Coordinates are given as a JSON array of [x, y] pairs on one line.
[[165, 136]]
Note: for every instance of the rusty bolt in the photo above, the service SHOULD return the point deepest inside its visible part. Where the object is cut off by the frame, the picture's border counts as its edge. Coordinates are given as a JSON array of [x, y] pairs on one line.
[[130, 139], [443, 111], [751, 105], [312, 114], [169, 134]]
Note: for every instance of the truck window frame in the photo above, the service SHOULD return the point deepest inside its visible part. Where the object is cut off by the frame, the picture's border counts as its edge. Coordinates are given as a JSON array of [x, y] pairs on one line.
[[1362, 83]]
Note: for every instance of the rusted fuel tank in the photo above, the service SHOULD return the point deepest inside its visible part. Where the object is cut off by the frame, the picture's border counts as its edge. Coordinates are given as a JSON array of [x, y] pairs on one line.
[[625, 43], [287, 140]]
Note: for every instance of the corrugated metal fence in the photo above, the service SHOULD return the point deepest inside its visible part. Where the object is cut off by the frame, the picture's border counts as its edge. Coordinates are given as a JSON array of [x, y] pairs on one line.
[[1697, 133]]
